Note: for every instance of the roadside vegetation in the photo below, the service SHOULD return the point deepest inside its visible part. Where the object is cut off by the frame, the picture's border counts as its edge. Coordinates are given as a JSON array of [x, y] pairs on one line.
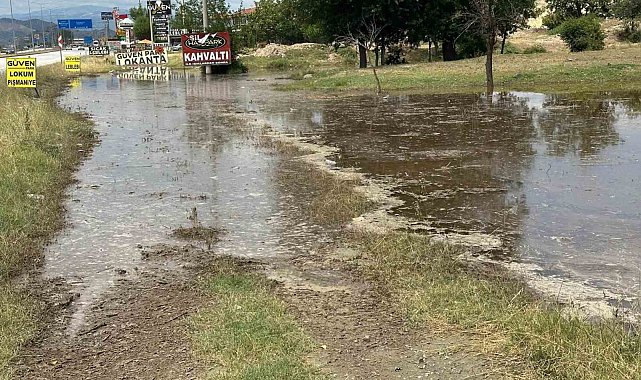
[[246, 334], [40, 147], [436, 288], [97, 65]]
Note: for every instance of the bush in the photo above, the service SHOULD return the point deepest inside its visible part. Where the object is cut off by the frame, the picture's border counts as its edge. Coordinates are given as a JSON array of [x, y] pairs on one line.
[[629, 34], [534, 49], [583, 33], [510, 48]]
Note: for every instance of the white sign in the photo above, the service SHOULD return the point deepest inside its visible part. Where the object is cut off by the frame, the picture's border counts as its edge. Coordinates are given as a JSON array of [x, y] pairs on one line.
[[142, 58]]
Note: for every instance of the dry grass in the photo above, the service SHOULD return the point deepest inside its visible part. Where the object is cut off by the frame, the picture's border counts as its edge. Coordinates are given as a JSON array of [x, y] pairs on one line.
[[40, 147], [98, 65]]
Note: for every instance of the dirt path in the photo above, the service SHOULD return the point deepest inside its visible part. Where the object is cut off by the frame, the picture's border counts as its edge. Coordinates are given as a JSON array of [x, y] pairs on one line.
[[136, 331]]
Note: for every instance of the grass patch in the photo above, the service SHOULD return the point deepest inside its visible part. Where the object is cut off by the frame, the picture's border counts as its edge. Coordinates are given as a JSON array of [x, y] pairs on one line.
[[247, 334], [40, 147], [98, 65], [433, 286], [551, 72], [297, 63]]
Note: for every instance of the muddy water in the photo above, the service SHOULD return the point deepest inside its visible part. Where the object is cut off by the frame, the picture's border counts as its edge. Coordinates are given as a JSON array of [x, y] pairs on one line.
[[556, 177], [164, 153]]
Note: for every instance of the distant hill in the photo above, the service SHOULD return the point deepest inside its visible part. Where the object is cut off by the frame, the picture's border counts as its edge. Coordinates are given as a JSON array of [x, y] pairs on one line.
[[23, 31]]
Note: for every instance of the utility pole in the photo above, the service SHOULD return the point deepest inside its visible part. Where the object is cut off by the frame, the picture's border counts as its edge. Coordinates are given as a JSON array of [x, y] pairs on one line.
[[42, 21], [33, 46], [205, 26], [13, 28]]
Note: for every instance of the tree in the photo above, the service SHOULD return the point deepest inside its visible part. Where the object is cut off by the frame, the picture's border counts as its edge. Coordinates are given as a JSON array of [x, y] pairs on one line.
[[142, 25], [368, 34], [629, 11], [189, 16], [562, 10], [277, 21], [512, 16]]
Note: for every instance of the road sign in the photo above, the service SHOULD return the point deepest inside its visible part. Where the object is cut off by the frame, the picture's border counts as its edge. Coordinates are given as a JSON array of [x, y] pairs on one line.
[[206, 49], [21, 72], [98, 50], [60, 42], [87, 40], [75, 23], [142, 58], [106, 16], [72, 64], [160, 12]]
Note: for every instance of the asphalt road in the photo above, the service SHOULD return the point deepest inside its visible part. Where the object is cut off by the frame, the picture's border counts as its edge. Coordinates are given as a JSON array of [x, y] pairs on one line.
[[43, 59]]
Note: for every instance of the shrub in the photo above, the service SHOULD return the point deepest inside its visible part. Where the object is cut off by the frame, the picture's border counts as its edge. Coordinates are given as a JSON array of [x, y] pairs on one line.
[[583, 33], [629, 34], [510, 48], [534, 49]]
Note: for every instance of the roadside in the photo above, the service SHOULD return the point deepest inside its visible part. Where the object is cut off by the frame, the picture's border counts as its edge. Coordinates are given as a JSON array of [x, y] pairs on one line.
[[40, 147]]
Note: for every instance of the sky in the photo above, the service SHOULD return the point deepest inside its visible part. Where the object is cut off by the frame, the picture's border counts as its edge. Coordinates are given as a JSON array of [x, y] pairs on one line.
[[21, 6]]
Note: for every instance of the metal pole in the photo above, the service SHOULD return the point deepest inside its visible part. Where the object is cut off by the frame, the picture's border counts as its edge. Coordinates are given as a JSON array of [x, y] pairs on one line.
[[33, 46], [205, 26], [42, 20], [13, 27], [52, 32]]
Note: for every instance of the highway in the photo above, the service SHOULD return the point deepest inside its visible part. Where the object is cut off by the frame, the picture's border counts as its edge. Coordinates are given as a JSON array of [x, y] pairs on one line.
[[43, 59]]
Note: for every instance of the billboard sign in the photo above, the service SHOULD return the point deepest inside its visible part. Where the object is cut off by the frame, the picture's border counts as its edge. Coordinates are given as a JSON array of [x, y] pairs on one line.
[[159, 12], [106, 16], [79, 23], [143, 58], [206, 49], [98, 50], [72, 64], [21, 72]]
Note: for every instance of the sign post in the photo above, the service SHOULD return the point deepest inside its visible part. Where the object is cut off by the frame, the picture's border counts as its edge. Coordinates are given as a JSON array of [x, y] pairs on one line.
[[60, 45], [72, 64], [204, 49], [21, 73], [159, 14]]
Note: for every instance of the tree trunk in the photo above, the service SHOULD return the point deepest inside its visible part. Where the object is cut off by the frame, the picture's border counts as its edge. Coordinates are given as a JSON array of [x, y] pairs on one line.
[[383, 51], [449, 50], [362, 53], [489, 64], [503, 43], [376, 58], [429, 50]]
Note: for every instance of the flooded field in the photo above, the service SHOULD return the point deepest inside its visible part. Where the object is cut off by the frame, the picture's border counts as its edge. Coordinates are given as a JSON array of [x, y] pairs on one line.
[[556, 178]]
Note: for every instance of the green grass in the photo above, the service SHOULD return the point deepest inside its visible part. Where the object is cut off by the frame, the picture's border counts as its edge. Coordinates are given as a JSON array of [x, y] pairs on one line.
[[39, 150], [246, 333], [433, 287], [613, 69]]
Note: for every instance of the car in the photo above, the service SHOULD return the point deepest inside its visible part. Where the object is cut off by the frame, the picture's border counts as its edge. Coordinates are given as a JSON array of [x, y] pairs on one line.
[[81, 48], [176, 48]]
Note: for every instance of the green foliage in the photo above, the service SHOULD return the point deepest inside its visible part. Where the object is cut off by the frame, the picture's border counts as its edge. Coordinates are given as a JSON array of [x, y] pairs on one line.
[[629, 34], [534, 49], [583, 33], [189, 16], [563, 10], [277, 21], [142, 26]]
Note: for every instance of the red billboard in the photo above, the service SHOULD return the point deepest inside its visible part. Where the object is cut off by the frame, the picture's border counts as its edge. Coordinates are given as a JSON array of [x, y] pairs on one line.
[[206, 49]]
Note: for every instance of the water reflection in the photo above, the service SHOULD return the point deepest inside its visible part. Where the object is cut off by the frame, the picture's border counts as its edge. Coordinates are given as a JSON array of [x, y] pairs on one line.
[[555, 176]]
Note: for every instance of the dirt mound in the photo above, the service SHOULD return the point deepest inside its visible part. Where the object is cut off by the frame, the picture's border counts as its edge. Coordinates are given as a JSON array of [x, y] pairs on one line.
[[277, 50]]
